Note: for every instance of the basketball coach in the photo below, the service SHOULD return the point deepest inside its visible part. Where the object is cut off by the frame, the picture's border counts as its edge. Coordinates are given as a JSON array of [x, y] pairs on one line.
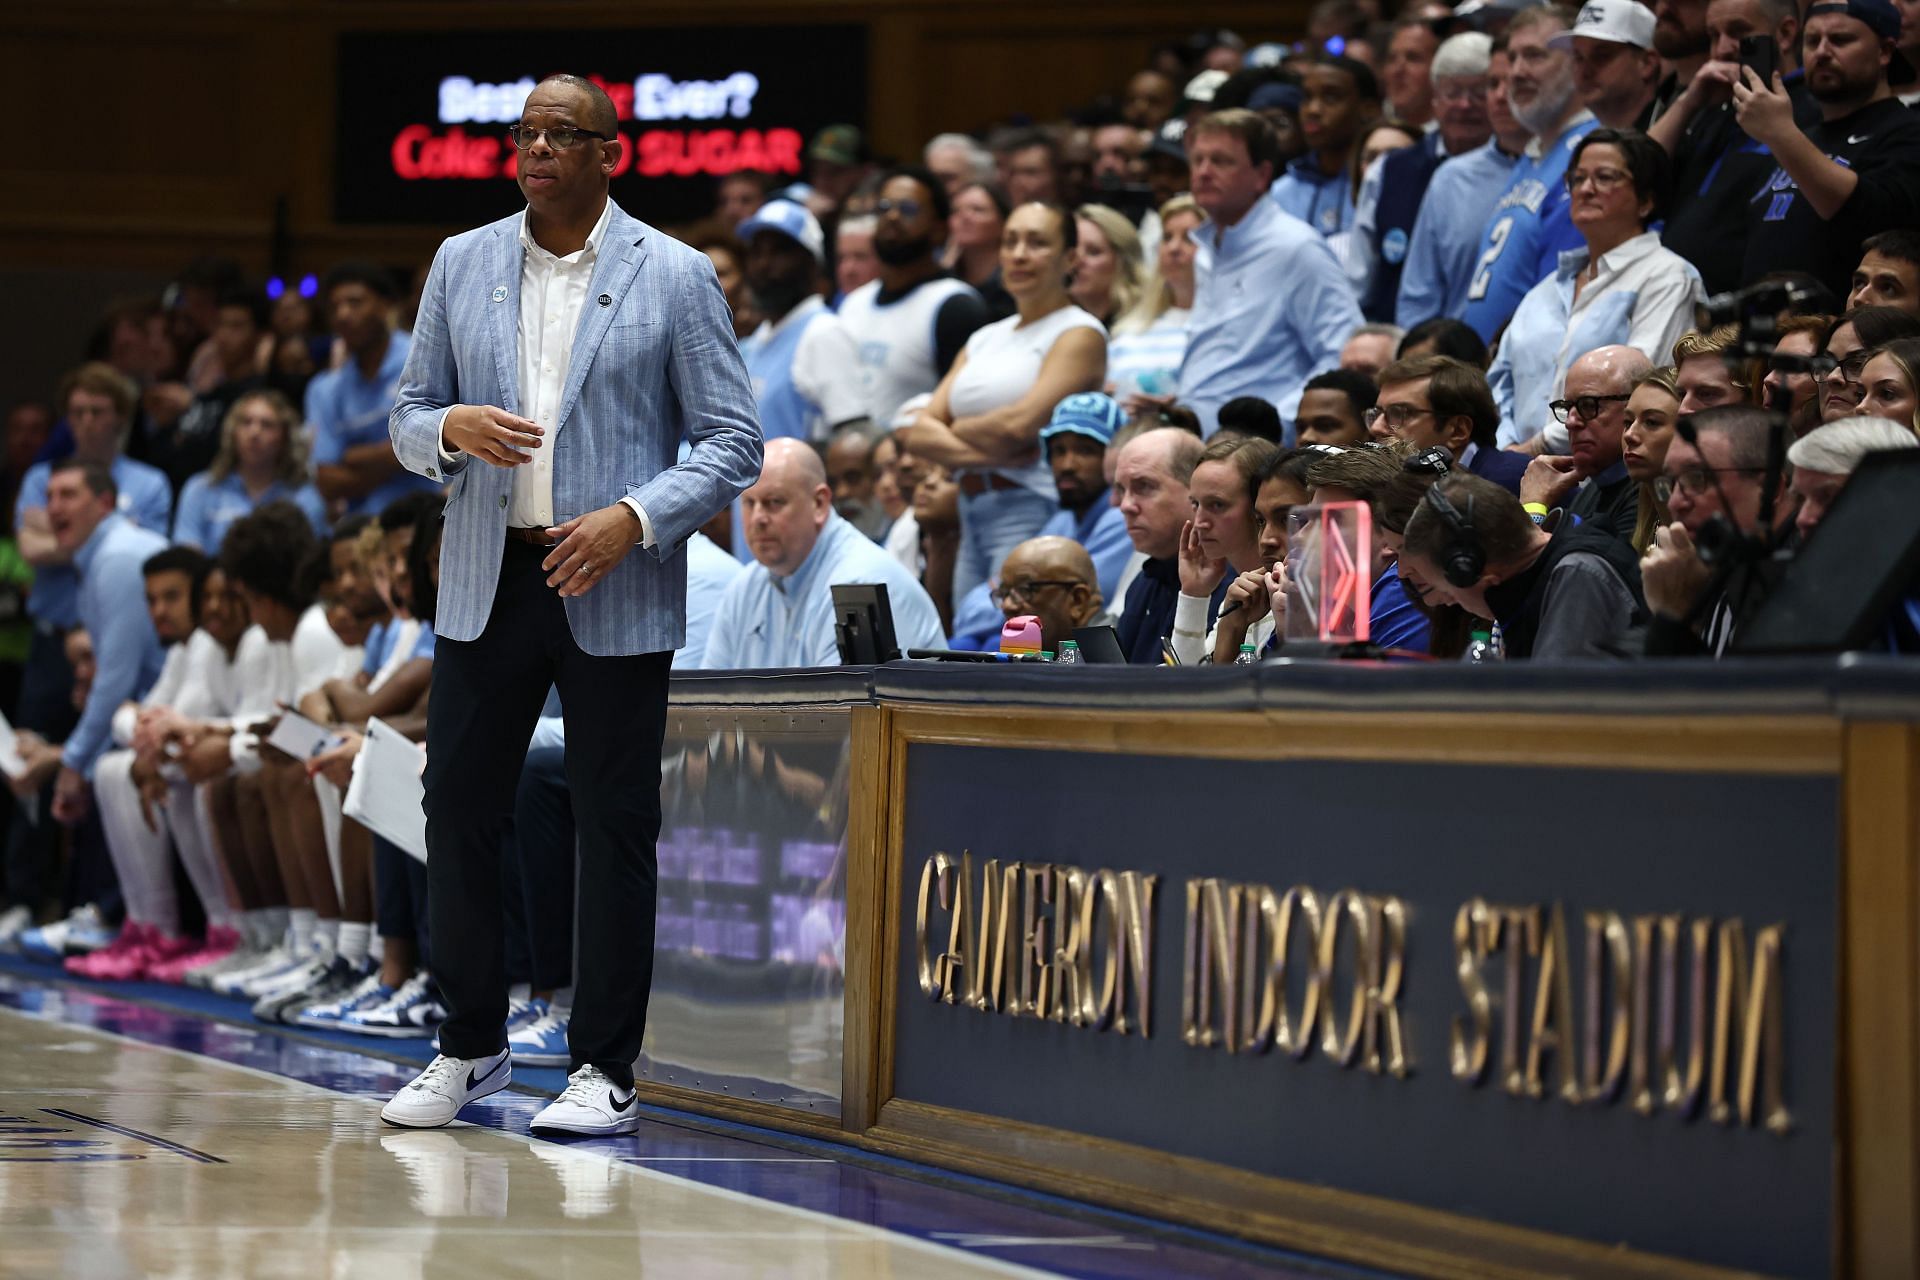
[[560, 358]]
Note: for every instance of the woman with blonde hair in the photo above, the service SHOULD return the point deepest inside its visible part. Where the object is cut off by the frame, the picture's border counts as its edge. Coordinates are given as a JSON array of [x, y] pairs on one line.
[[1653, 407], [262, 459], [1108, 266], [1890, 380], [1150, 338]]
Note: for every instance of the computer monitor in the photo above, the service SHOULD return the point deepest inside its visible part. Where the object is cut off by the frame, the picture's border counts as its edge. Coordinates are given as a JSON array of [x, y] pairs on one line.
[[1855, 567], [1100, 644], [863, 624]]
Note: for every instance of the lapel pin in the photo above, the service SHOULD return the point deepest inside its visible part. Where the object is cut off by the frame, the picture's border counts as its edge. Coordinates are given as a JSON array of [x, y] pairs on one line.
[[606, 300], [500, 293]]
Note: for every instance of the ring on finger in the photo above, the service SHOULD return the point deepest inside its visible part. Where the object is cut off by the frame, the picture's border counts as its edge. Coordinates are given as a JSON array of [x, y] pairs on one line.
[[586, 571]]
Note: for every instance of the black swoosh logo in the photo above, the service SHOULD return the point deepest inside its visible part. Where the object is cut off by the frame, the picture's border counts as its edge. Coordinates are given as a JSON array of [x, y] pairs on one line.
[[473, 1084], [619, 1105]]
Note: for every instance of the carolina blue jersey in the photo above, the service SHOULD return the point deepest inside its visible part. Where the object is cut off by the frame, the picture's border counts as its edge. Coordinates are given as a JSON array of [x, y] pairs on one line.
[[1527, 231]]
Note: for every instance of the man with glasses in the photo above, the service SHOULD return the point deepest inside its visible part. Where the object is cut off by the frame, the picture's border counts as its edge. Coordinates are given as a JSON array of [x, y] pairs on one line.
[[561, 358], [1051, 578], [1794, 371], [1437, 400], [1390, 196], [910, 324], [779, 612], [1592, 470], [1715, 486]]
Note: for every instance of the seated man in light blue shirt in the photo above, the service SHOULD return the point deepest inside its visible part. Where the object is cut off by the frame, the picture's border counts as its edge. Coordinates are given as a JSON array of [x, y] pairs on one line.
[[1272, 306], [109, 555], [1075, 441], [348, 407], [779, 611]]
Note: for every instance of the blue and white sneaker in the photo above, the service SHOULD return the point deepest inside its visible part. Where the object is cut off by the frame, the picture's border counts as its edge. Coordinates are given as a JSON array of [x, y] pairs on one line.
[[542, 1042], [369, 993], [81, 933], [411, 1013]]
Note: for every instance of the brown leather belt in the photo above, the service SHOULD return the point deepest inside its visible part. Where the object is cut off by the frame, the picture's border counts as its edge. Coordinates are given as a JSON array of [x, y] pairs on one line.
[[533, 537], [974, 483]]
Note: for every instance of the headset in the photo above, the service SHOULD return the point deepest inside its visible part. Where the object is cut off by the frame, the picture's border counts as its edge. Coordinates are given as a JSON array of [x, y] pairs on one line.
[[1461, 560]]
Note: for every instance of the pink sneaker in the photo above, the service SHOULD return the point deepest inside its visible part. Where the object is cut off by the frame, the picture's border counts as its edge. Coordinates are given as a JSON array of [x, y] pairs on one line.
[[220, 944], [132, 964], [133, 936]]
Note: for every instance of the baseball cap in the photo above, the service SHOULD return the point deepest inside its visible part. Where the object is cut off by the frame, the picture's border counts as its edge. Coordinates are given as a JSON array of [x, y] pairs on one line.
[[1202, 87], [1617, 21], [838, 144], [1881, 18], [1267, 55], [1087, 413], [1171, 141], [791, 221], [1275, 93]]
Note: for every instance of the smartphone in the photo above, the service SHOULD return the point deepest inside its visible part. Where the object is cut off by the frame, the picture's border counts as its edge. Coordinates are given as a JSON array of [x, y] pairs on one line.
[[1762, 54]]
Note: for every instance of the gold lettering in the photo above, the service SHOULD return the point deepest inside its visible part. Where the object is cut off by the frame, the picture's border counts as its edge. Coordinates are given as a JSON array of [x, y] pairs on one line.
[[1475, 929], [1521, 929], [1609, 982], [937, 870], [957, 894], [1073, 959], [1552, 1031], [1192, 961], [1258, 905], [1383, 994], [1747, 1023], [1681, 1087], [1337, 1043], [987, 984], [1295, 1036], [1640, 1078], [1213, 932], [1037, 972], [1137, 892]]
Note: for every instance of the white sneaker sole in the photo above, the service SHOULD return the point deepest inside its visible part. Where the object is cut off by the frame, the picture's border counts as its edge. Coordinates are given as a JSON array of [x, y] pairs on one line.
[[549, 1129], [486, 1090]]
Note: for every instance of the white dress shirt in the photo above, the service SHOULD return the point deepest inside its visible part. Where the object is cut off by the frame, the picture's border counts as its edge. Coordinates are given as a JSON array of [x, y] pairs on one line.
[[553, 293]]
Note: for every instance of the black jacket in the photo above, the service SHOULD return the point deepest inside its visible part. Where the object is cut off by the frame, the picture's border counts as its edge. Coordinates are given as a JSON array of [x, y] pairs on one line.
[[1520, 602]]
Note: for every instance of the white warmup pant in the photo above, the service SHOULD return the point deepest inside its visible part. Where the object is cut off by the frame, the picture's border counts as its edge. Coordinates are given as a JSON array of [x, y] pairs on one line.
[[140, 854]]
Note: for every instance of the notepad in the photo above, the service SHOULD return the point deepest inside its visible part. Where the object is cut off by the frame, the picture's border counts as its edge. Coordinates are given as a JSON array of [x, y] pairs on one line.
[[387, 795]]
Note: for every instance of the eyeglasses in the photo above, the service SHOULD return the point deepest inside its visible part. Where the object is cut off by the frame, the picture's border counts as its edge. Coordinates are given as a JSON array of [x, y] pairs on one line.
[[1694, 481], [1602, 179], [1852, 366], [1026, 591], [560, 137], [1814, 366], [1397, 415], [1587, 406], [908, 209]]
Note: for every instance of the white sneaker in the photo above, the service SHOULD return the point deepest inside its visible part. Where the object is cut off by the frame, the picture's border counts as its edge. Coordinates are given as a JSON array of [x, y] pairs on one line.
[[592, 1107], [448, 1084], [14, 921], [274, 960]]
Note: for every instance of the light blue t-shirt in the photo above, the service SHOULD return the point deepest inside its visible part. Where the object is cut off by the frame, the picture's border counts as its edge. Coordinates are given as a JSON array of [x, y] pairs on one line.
[[207, 510], [1324, 202], [1446, 235], [346, 409], [765, 622], [710, 571], [127, 654], [146, 499]]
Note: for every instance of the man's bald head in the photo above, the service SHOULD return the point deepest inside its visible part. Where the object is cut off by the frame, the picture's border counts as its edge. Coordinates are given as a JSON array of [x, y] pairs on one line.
[[1606, 374], [1174, 451], [787, 506], [1032, 576], [1616, 366], [594, 107]]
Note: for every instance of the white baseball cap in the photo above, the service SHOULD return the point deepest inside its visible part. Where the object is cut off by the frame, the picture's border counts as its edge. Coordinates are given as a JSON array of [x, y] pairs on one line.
[[789, 220], [1617, 21]]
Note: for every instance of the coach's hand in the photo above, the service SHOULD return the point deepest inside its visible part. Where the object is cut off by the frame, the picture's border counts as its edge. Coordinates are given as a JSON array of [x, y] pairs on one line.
[[589, 546], [490, 434]]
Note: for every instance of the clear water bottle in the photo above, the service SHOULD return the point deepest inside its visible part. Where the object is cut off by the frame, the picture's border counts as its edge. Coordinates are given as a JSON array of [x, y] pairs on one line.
[[1069, 653], [1481, 648], [1245, 658]]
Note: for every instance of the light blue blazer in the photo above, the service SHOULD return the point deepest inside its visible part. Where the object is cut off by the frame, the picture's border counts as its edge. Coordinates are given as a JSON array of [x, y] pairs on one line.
[[654, 363]]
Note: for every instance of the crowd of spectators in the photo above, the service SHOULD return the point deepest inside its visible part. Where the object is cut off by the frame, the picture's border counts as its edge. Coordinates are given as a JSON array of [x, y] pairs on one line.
[[1448, 265]]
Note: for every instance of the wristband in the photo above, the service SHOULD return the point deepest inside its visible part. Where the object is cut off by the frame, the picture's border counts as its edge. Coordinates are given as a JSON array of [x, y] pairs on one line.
[[1538, 510]]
